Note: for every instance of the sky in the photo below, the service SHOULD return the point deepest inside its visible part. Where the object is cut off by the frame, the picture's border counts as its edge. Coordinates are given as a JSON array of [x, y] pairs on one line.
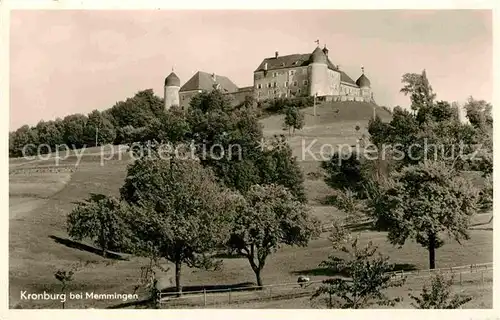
[[64, 62]]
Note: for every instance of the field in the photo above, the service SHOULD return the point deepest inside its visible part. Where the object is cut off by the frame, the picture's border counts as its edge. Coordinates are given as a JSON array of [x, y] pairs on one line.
[[42, 193]]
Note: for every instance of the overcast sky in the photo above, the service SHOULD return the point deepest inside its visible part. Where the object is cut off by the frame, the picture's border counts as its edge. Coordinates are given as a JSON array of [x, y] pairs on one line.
[[65, 62]]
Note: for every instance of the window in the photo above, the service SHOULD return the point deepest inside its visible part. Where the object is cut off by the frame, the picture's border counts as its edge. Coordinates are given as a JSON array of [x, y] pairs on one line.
[[275, 84], [274, 74], [295, 83], [270, 92], [298, 91], [275, 91], [269, 85], [304, 71], [306, 82], [292, 72], [259, 86], [286, 84]]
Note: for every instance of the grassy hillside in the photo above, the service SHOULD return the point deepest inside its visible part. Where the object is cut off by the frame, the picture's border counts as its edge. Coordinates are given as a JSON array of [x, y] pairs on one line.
[[41, 196]]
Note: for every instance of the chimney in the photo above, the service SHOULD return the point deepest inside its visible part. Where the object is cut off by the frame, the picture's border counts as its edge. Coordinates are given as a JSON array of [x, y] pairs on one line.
[[276, 54], [214, 78]]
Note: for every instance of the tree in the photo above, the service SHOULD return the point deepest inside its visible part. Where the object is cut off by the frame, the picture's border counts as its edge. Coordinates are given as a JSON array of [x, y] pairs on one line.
[[230, 141], [178, 211], [64, 277], [425, 201], [418, 87], [100, 127], [439, 296], [149, 279], [367, 276], [101, 219], [23, 142], [137, 111], [271, 218], [48, 133], [74, 130], [479, 113], [277, 165], [294, 119], [344, 172]]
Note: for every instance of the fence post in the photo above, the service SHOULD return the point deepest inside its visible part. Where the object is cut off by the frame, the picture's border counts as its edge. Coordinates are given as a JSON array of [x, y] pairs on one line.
[[482, 278], [460, 278], [204, 297], [229, 296]]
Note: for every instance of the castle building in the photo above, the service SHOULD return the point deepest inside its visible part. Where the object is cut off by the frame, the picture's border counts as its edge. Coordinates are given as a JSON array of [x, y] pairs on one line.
[[295, 75], [309, 74]]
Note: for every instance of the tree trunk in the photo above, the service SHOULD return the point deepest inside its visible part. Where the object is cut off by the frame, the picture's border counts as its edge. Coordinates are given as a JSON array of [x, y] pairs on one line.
[[256, 268], [432, 251], [178, 277], [259, 279], [104, 242]]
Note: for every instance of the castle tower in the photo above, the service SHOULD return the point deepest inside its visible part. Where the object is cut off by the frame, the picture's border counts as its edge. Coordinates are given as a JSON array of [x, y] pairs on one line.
[[318, 73], [171, 90], [364, 83]]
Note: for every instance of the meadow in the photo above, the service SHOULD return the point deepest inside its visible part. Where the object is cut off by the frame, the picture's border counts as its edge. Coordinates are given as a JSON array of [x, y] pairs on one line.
[[41, 194]]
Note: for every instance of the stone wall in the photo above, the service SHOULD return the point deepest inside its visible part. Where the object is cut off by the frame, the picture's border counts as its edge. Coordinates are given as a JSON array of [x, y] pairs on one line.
[[278, 83]]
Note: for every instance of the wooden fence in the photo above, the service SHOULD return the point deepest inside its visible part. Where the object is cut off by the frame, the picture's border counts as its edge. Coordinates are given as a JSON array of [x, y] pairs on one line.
[[475, 273]]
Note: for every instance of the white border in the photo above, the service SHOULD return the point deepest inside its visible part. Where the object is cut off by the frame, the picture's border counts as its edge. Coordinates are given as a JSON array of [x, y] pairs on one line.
[[6, 6]]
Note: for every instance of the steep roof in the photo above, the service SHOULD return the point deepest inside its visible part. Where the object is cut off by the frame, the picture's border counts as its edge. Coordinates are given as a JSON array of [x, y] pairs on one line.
[[290, 61], [363, 81], [204, 81], [345, 78], [319, 56], [172, 80]]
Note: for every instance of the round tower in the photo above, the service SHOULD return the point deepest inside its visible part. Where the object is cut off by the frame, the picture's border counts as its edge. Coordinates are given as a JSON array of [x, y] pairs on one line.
[[365, 86], [171, 90], [318, 73]]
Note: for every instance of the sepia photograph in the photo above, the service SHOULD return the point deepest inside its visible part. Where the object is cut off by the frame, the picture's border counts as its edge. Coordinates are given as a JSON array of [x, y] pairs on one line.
[[250, 159]]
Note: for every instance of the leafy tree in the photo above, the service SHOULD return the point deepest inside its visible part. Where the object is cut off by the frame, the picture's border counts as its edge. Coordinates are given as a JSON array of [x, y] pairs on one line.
[[178, 211], [280, 105], [170, 126], [425, 201], [64, 277], [344, 172], [23, 142], [439, 295], [49, 133], [367, 276], [277, 165], [74, 130], [270, 219], [100, 124], [101, 219], [418, 87], [230, 141], [294, 119], [137, 111], [479, 113], [149, 280]]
